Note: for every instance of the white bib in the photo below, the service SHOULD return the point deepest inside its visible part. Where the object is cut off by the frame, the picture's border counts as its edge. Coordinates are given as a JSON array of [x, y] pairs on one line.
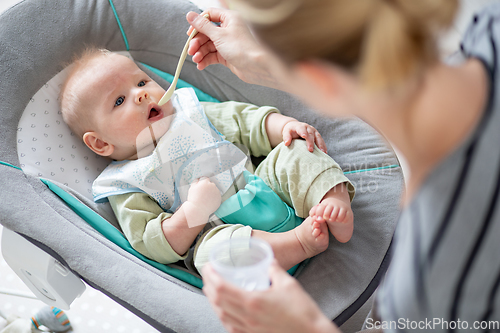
[[190, 149]]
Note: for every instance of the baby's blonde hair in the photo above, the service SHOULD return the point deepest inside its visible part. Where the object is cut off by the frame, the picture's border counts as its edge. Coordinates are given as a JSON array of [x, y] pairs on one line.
[[73, 106], [385, 41]]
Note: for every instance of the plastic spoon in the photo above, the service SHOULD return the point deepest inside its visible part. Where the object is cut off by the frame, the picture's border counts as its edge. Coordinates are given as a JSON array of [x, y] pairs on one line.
[[170, 91]]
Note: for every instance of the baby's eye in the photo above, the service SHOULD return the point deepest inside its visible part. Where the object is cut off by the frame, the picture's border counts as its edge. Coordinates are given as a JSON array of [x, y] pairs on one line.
[[141, 84], [120, 101]]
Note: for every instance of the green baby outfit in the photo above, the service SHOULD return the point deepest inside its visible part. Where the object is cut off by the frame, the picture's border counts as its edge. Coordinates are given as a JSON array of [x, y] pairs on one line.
[[288, 177]]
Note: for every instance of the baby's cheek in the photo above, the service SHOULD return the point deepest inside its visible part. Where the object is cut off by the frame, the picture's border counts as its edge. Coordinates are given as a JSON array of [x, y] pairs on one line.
[[169, 106]]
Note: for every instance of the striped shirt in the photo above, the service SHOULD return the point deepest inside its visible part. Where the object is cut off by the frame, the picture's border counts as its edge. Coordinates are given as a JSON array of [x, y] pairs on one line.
[[445, 271]]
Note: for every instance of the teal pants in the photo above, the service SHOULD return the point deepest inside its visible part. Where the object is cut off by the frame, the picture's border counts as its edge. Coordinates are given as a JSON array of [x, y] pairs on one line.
[[291, 181]]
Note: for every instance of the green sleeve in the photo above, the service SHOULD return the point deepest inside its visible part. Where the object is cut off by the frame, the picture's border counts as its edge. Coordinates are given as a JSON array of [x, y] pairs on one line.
[[242, 123], [140, 218]]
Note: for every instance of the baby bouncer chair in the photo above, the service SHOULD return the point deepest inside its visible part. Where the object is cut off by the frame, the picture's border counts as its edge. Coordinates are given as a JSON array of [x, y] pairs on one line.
[[55, 236]]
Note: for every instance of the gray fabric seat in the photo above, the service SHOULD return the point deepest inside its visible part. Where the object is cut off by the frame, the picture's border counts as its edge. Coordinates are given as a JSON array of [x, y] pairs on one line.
[[39, 37]]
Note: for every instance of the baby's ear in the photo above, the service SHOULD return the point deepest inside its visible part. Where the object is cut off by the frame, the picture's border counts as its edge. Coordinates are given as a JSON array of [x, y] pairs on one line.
[[97, 145]]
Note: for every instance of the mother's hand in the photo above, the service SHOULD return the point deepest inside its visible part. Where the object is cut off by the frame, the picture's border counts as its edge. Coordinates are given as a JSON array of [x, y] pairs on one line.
[[284, 307], [232, 45]]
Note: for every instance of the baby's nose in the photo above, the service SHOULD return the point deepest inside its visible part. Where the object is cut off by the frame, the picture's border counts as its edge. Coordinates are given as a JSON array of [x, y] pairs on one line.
[[141, 96]]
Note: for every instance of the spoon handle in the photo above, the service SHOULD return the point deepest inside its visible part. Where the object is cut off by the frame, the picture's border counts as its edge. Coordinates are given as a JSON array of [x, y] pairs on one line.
[[170, 91]]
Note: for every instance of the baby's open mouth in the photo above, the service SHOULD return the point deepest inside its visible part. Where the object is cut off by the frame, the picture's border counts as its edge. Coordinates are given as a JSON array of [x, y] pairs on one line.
[[154, 112]]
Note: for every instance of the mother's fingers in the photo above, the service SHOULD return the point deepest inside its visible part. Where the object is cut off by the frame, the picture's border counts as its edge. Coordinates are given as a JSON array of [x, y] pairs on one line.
[[204, 53], [197, 42], [203, 24], [219, 291], [200, 22]]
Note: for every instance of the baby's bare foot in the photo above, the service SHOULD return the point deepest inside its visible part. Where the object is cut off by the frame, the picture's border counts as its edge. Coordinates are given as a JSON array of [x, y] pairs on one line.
[[337, 213], [313, 236]]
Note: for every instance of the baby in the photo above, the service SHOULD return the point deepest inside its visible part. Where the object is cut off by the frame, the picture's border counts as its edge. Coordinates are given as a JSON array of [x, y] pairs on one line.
[[110, 103]]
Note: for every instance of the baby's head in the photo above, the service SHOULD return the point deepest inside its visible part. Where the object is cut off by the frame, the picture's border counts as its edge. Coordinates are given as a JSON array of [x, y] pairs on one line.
[[108, 101]]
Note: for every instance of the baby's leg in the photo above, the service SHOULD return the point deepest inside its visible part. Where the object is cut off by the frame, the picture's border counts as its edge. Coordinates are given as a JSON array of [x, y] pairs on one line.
[[299, 177], [290, 247], [215, 236], [308, 182], [294, 246], [335, 210]]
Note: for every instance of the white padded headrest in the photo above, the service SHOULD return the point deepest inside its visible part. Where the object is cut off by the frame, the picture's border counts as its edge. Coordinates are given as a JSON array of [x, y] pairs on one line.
[[48, 149]]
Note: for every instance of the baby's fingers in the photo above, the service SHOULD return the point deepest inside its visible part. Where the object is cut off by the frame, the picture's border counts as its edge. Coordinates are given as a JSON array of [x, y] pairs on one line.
[[204, 179], [287, 138], [320, 142], [304, 131], [309, 136]]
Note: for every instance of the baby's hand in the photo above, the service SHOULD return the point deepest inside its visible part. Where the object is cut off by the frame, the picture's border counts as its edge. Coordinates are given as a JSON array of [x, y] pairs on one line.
[[296, 129], [205, 195]]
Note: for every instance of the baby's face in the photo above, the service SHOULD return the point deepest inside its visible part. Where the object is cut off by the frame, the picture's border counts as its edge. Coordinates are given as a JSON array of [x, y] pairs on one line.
[[124, 103]]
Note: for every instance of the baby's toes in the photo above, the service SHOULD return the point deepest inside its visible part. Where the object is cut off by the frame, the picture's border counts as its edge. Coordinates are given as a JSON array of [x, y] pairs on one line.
[[319, 212], [341, 215], [327, 212], [312, 211], [321, 237], [334, 212], [316, 232]]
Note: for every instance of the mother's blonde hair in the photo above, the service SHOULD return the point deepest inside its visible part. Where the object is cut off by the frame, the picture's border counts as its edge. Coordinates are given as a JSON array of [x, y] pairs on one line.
[[386, 41]]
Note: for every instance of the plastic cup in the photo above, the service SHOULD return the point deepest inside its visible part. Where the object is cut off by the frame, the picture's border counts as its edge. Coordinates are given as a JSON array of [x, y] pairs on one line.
[[243, 262]]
